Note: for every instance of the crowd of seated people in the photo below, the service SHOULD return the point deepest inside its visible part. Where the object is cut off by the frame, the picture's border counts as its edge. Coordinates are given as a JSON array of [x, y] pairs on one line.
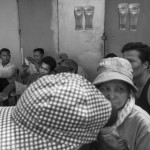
[[47, 67], [33, 69], [64, 111]]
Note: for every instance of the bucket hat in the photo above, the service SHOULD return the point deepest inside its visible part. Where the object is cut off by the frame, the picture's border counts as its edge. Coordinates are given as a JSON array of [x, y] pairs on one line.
[[115, 68], [56, 112]]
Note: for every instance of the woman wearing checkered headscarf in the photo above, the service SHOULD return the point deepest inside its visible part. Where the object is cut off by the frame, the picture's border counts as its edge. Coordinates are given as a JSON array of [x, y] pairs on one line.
[[56, 112]]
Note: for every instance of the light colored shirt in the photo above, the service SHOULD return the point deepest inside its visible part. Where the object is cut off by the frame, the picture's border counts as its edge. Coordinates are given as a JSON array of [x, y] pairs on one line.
[[136, 129], [7, 71]]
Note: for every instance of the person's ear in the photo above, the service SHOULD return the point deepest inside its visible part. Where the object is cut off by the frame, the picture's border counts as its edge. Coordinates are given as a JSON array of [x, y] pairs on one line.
[[146, 64]]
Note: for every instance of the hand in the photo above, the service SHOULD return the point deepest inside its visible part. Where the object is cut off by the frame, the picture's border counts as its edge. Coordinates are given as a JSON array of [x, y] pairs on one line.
[[3, 96], [30, 59], [25, 67], [110, 140]]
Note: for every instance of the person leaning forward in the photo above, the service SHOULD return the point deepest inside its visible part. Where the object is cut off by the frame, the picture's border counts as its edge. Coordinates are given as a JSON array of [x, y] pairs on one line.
[[56, 112]]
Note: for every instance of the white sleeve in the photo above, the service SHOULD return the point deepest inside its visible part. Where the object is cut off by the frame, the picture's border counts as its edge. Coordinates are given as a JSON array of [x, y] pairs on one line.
[[8, 71]]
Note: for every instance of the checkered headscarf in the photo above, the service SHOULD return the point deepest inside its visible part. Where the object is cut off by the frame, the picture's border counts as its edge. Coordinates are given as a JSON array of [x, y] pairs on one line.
[[57, 112]]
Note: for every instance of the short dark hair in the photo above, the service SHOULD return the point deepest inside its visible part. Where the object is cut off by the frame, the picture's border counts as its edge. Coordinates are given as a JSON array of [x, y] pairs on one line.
[[70, 63], [40, 50], [110, 55], [143, 49], [5, 50], [49, 61]]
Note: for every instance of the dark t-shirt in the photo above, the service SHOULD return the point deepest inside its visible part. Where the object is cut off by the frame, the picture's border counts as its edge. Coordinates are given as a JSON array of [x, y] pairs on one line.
[[142, 101]]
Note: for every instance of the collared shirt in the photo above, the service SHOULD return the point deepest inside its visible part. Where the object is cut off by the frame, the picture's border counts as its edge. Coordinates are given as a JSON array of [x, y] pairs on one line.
[[7, 71]]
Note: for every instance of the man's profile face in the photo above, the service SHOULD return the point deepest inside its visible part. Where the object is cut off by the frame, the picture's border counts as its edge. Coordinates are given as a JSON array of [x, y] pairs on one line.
[[133, 57], [5, 57], [44, 69]]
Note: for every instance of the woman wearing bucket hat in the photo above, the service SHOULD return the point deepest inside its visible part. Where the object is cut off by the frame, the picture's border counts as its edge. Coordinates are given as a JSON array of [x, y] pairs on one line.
[[56, 112], [115, 81]]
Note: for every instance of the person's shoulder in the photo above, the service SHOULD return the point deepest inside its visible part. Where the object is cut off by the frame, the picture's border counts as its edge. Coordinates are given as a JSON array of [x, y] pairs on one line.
[[139, 110], [140, 115], [137, 122]]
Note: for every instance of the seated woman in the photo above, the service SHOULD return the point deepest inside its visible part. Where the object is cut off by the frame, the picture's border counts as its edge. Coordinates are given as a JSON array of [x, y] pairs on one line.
[[115, 81]]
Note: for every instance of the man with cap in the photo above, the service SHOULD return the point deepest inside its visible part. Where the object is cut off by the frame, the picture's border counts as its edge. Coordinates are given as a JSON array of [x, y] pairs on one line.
[[56, 112]]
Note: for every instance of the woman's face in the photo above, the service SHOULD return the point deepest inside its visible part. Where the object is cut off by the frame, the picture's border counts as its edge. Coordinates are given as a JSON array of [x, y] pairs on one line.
[[116, 91]]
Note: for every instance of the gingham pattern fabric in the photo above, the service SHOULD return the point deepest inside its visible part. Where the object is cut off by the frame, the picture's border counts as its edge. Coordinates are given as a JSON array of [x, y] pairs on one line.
[[57, 112]]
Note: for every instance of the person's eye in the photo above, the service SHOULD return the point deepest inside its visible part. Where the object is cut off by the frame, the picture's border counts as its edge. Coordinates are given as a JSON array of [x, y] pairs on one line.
[[120, 89], [103, 88], [132, 60]]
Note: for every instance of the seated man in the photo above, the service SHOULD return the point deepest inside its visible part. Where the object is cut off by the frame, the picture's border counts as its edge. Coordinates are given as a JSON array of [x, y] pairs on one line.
[[32, 65], [47, 67], [7, 69]]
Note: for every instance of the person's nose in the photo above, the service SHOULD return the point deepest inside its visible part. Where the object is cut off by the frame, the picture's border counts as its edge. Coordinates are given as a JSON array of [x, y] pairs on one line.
[[42, 70], [111, 94], [5, 57]]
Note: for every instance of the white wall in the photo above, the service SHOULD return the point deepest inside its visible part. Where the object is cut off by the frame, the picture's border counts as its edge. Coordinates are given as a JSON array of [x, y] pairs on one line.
[[117, 38], [39, 28], [9, 33]]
